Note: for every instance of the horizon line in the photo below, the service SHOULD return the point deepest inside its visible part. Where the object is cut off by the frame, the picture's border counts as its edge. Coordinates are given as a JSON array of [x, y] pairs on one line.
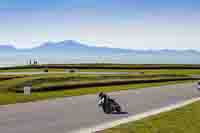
[[79, 42]]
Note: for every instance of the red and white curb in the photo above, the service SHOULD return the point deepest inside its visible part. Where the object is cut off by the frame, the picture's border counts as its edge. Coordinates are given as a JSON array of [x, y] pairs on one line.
[[135, 117]]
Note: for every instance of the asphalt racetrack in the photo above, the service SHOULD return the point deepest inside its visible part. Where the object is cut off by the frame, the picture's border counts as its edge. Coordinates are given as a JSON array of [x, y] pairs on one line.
[[69, 114]]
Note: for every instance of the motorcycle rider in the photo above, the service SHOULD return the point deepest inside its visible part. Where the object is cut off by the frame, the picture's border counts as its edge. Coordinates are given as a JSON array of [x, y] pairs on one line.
[[103, 99], [108, 104]]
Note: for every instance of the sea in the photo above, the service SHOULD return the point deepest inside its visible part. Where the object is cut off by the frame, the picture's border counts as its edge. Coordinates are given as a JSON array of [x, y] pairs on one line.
[[128, 59]]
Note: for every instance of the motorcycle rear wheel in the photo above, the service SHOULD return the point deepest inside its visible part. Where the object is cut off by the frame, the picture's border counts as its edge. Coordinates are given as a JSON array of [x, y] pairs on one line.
[[118, 109]]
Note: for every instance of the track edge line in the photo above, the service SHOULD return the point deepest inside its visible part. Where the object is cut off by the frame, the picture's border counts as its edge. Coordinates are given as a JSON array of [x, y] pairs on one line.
[[136, 117]]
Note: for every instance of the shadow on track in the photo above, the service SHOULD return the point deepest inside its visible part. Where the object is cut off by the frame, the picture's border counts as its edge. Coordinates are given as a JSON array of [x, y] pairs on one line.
[[120, 113]]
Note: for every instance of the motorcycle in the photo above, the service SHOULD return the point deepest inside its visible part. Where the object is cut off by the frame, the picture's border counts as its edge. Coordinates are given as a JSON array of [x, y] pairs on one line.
[[109, 106]]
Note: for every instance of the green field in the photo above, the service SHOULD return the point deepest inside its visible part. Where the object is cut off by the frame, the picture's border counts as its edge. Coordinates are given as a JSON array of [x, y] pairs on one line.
[[110, 66], [63, 84], [133, 71], [42, 82], [32, 70], [149, 71], [7, 97], [183, 120]]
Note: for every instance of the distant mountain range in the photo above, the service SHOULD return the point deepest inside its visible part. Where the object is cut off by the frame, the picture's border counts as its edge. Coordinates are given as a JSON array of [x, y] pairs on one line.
[[70, 46], [7, 48], [70, 51]]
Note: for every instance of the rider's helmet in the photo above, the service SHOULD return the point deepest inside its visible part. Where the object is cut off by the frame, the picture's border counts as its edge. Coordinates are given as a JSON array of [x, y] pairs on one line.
[[101, 94]]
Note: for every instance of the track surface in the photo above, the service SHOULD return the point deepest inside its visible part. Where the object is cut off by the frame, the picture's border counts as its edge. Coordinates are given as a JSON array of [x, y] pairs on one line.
[[64, 115]]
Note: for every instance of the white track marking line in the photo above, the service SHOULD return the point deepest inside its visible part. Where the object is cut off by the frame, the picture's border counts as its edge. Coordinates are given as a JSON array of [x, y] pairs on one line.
[[136, 117]]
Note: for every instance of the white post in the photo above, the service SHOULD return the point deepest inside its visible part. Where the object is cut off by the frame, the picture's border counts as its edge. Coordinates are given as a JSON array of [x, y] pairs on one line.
[[27, 90]]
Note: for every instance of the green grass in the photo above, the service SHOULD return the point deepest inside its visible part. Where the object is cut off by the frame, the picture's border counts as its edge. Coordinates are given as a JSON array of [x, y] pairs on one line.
[[33, 70], [146, 71], [46, 80], [182, 120], [11, 97], [42, 80], [149, 71], [108, 66]]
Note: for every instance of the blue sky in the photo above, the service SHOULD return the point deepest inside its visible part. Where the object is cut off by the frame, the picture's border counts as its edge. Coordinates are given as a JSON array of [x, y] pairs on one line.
[[136, 24]]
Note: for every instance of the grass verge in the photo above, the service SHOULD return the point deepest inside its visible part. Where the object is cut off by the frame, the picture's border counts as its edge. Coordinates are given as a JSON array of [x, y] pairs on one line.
[[182, 120], [11, 97], [45, 82], [136, 71]]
